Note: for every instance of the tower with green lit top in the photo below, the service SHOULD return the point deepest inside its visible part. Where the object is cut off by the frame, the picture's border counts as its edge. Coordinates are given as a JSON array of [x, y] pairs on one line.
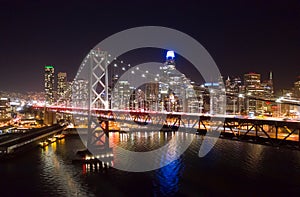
[[49, 84]]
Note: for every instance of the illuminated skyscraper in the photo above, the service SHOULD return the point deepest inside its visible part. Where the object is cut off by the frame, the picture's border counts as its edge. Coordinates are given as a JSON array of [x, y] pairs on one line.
[[49, 84], [80, 93], [176, 91], [253, 87], [252, 81], [152, 95], [267, 86], [121, 95], [62, 85], [234, 87], [172, 85]]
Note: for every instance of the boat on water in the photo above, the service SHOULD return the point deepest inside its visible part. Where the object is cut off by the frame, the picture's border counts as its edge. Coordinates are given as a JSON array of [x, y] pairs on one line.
[[51, 140], [43, 144], [47, 142], [59, 136]]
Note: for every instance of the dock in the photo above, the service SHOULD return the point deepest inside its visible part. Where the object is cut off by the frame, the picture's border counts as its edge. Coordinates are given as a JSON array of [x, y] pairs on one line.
[[13, 143]]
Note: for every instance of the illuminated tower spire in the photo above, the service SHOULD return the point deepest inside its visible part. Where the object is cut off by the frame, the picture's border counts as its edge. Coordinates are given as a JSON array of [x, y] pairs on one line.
[[271, 82], [170, 55], [170, 61]]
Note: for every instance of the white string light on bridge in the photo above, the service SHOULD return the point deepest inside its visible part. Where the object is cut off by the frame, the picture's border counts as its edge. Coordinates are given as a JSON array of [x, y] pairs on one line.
[[124, 67]]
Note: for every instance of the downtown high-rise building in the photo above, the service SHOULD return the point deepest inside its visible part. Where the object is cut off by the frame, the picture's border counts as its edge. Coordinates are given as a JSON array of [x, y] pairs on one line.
[[62, 85], [172, 90], [121, 95], [177, 93], [234, 103], [252, 82], [152, 96], [255, 89], [80, 93], [49, 84]]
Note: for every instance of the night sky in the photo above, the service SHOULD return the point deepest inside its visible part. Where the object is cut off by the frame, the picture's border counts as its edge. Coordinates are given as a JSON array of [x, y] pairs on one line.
[[252, 36]]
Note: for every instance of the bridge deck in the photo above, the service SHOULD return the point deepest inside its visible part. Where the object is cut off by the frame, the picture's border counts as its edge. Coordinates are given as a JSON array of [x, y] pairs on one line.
[[276, 130]]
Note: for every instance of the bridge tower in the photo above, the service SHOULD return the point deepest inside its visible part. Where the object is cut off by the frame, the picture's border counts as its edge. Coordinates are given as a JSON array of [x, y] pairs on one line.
[[97, 98]]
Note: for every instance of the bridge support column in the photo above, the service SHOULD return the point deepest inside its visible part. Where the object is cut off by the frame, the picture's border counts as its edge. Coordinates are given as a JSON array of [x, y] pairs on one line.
[[98, 95], [50, 117], [98, 136]]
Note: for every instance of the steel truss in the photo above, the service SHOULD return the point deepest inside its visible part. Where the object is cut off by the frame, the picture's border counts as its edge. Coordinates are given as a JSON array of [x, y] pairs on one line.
[[275, 133], [270, 132]]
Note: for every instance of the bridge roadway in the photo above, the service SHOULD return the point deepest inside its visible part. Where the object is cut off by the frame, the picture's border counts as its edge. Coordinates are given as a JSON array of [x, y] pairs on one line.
[[16, 142], [270, 130]]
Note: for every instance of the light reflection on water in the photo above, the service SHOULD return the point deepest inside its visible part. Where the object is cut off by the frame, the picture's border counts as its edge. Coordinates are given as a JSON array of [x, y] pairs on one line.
[[230, 168], [57, 173], [166, 179]]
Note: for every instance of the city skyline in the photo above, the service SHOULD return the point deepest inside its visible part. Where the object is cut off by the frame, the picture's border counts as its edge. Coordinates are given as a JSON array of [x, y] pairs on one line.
[[155, 98], [242, 38]]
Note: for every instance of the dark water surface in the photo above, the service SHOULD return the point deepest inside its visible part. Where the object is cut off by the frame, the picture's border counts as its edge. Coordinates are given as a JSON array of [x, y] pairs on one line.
[[230, 168]]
